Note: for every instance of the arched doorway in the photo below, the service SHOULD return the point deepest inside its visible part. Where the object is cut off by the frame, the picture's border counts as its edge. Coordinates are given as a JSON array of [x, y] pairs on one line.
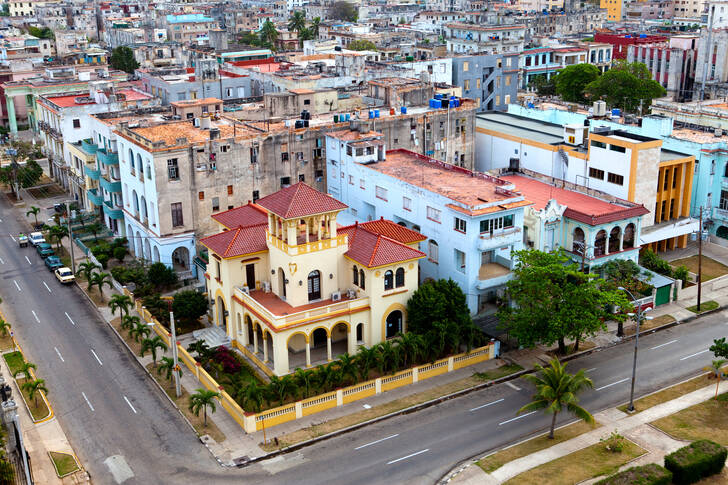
[[139, 252], [130, 239], [600, 243], [628, 240], [281, 283], [360, 334], [394, 324], [578, 241], [249, 334], [340, 339], [147, 249], [314, 285], [221, 318], [614, 237], [181, 258], [239, 328], [155, 254], [318, 338]]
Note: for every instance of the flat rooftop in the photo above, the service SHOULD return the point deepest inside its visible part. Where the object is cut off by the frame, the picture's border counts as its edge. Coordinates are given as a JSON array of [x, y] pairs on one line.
[[522, 127], [669, 155]]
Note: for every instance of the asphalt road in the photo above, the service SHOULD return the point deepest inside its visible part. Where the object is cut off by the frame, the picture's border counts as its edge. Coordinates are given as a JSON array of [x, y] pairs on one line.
[[91, 377]]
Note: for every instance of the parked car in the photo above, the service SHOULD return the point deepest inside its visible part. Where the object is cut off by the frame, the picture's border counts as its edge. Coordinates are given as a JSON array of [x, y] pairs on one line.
[[23, 240], [36, 238], [53, 262], [44, 250], [64, 275]]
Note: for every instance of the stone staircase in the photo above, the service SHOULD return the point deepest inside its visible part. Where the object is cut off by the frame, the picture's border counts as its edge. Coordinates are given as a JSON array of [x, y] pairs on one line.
[[213, 337]]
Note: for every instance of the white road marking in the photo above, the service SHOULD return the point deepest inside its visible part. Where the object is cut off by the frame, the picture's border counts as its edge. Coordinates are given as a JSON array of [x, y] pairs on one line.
[[486, 405], [662, 345], [87, 401], [612, 384], [513, 386], [517, 417], [1, 261], [47, 287], [408, 456], [589, 370], [697, 353], [378, 441], [36, 316], [16, 285], [69, 319], [26, 258], [132, 407], [97, 357], [14, 240], [59, 354]]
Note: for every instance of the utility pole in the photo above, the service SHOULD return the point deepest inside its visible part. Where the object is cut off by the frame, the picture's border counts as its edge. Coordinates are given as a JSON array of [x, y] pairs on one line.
[[177, 389], [70, 236], [700, 257], [709, 51], [640, 316]]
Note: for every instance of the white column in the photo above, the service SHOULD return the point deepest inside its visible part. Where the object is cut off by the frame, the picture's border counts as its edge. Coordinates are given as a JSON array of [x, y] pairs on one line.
[[265, 348], [351, 341], [308, 353], [328, 348], [255, 342]]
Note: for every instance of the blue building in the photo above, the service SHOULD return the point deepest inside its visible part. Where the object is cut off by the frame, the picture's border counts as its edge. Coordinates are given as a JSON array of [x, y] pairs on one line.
[[473, 222]]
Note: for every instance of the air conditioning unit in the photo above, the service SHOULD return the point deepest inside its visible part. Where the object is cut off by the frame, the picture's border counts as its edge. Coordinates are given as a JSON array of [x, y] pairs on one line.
[[336, 296], [351, 294], [266, 286], [245, 290]]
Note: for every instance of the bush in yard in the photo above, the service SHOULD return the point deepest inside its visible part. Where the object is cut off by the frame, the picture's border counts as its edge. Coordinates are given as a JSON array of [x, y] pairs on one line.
[[650, 260], [651, 474], [696, 461], [160, 275], [189, 305], [681, 273], [103, 259], [120, 253], [230, 365]]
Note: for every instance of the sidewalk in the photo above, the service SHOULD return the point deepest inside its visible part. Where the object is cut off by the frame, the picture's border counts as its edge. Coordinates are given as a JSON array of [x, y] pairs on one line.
[[635, 427]]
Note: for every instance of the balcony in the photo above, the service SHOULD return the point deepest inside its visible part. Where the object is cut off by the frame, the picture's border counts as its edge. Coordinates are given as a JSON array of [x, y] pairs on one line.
[[89, 146], [112, 211], [491, 275], [498, 239], [720, 214], [107, 158], [92, 173], [94, 198], [110, 186]]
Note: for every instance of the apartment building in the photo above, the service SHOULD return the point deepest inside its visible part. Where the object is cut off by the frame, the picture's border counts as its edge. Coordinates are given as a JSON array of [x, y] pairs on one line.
[[491, 39], [192, 28], [491, 80], [673, 64]]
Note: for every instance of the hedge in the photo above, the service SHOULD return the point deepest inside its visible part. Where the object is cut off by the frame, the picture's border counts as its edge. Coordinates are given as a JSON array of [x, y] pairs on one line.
[[651, 474], [696, 461]]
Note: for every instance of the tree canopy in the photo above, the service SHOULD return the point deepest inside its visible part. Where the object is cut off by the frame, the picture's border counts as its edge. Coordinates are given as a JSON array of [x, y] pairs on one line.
[[342, 10], [268, 34], [543, 86], [41, 32], [362, 45], [122, 58], [571, 81], [552, 301], [625, 85], [189, 305], [720, 348]]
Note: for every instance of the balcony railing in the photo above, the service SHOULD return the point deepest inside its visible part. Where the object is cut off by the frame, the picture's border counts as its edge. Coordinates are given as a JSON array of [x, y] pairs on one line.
[[112, 211], [720, 214], [107, 158], [94, 198], [92, 173], [89, 146], [498, 238]]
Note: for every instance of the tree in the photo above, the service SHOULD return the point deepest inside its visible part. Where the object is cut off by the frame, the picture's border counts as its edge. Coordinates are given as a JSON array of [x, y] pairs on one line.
[[166, 365], [25, 370], [347, 366], [720, 348], [201, 348], [328, 377], [248, 38], [120, 253], [543, 86], [128, 322], [304, 379], [5, 13], [551, 300], [4, 326], [7, 470], [281, 387], [26, 175], [268, 34], [152, 345], [361, 45], [87, 269], [122, 58], [297, 22], [33, 388], [41, 32], [100, 280], [341, 10], [716, 369], [121, 303], [189, 305], [304, 34], [140, 330], [254, 395], [57, 233], [314, 27], [556, 390], [201, 400], [95, 229], [571, 81], [365, 360], [35, 211], [626, 85], [161, 275], [412, 346]]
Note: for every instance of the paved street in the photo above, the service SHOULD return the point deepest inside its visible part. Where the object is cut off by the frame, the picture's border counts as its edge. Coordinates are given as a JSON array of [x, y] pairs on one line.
[[91, 377]]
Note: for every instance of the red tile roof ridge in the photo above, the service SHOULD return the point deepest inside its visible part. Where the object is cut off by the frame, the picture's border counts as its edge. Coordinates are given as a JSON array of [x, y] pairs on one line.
[[291, 202], [232, 239], [376, 247]]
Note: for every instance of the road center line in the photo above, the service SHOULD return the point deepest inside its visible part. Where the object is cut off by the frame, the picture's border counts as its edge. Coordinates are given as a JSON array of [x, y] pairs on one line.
[[26, 258], [589, 370], [408, 456], [1, 261], [87, 401], [696, 353], [378, 441], [36, 316], [662, 345], [69, 319], [59, 354], [612, 384], [13, 238], [16, 285], [132, 407], [517, 417], [97, 357], [513, 386], [47, 287], [489, 404]]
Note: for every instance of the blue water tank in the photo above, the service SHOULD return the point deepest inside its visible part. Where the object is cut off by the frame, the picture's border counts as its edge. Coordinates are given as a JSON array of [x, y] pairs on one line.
[[616, 112], [530, 105], [627, 36], [643, 36], [376, 113], [348, 116], [452, 103], [403, 110], [371, 114]]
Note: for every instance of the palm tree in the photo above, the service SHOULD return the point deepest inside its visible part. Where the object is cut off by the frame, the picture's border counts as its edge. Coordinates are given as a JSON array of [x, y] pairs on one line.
[[314, 28], [411, 345], [254, 395], [87, 269], [202, 399], [140, 330], [268, 33], [129, 321], [57, 233], [328, 376], [304, 379], [152, 345], [201, 348], [33, 388], [556, 389], [235, 385], [297, 21], [100, 279], [35, 211], [25, 370], [388, 358], [4, 327], [281, 388], [366, 359], [716, 368], [347, 366], [166, 364], [95, 229], [120, 302]]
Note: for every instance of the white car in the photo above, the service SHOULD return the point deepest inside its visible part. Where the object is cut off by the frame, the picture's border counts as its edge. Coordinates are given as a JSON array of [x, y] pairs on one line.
[[36, 238], [64, 275]]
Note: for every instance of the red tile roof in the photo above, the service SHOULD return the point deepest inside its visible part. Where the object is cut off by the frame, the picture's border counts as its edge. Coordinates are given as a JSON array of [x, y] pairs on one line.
[[386, 228], [246, 215], [237, 242], [580, 207], [372, 250], [299, 200]]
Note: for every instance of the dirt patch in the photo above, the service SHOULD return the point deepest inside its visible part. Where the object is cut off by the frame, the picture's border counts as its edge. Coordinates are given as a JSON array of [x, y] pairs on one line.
[[706, 420], [135, 346], [46, 191], [711, 268], [649, 324]]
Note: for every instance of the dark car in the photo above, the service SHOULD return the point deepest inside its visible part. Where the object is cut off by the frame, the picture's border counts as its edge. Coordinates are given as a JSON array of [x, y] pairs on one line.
[[53, 262], [45, 250]]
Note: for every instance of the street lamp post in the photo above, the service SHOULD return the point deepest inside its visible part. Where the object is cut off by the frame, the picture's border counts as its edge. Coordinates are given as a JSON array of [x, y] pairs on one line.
[[640, 316]]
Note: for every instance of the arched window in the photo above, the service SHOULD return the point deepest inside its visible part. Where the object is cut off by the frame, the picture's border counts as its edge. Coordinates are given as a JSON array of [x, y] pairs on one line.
[[356, 276], [314, 285], [149, 170], [578, 244], [399, 278], [131, 159], [600, 243], [140, 167], [628, 239], [614, 236], [388, 280], [361, 280]]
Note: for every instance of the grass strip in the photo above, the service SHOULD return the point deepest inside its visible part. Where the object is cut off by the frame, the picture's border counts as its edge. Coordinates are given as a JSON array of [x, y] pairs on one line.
[[704, 307], [668, 394], [64, 463], [14, 360], [706, 420], [37, 405]]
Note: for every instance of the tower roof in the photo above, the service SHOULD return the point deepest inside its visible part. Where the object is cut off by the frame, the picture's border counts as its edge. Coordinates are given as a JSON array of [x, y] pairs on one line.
[[300, 200]]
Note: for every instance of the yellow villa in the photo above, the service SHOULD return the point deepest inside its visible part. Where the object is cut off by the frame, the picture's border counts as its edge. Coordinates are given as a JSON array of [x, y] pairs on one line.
[[294, 289]]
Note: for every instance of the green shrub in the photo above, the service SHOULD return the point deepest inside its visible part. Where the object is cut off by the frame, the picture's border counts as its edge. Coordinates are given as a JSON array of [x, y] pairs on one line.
[[120, 253], [650, 260], [103, 259], [681, 273], [119, 274], [160, 275], [696, 461], [189, 305], [651, 474]]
